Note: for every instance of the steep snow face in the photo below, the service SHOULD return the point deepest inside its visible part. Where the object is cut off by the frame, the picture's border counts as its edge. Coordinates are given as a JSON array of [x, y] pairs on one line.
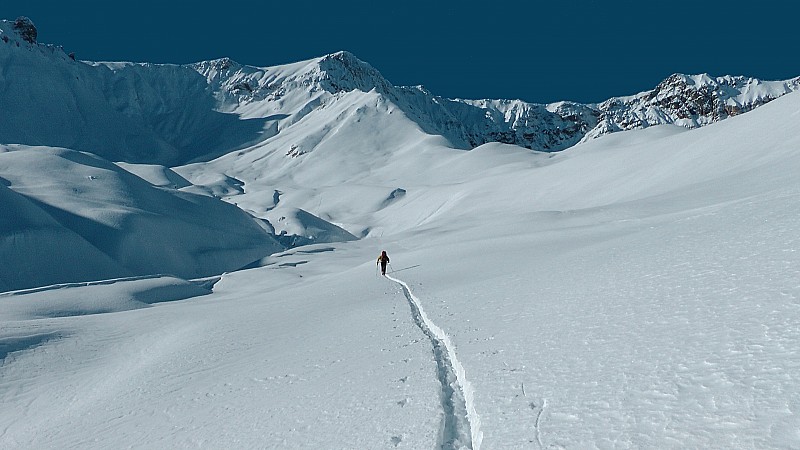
[[340, 72], [284, 95], [49, 99]]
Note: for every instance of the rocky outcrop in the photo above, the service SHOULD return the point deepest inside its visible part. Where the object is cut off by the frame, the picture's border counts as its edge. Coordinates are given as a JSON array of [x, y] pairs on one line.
[[694, 101], [689, 101], [26, 29]]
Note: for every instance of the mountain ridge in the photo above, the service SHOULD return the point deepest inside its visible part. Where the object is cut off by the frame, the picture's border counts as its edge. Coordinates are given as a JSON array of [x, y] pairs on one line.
[[174, 114]]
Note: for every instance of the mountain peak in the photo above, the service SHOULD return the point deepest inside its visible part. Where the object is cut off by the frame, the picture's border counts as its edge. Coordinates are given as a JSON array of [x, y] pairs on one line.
[[695, 100], [22, 27], [216, 67], [26, 29], [220, 64], [343, 56], [343, 71]]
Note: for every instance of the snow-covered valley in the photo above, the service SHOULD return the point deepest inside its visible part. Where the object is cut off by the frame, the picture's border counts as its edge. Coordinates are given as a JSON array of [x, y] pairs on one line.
[[636, 290]]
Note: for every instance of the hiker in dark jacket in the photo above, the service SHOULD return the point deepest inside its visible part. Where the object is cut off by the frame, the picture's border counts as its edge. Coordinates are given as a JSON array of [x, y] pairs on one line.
[[383, 260]]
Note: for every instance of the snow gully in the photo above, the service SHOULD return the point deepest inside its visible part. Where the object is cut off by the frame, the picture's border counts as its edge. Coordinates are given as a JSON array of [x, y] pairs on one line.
[[461, 428]]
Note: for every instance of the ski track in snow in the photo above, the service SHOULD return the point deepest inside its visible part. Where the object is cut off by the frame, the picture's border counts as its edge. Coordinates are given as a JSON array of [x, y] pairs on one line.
[[536, 425], [461, 420]]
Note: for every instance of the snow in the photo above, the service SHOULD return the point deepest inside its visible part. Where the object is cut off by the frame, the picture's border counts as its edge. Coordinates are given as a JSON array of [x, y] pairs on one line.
[[166, 114], [461, 424], [639, 290], [74, 216], [77, 299]]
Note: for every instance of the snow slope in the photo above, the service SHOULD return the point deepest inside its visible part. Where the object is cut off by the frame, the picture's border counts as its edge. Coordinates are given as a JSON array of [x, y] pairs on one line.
[[636, 291], [143, 113], [72, 216]]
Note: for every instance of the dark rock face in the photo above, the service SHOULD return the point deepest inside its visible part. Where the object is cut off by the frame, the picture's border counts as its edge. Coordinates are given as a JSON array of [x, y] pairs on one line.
[[680, 98], [684, 100], [25, 28]]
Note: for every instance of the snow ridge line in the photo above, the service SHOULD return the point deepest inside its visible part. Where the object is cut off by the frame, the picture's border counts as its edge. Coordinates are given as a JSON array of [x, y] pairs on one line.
[[458, 399], [53, 287]]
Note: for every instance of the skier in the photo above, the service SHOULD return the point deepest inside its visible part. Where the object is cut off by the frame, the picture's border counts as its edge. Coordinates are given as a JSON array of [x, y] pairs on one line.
[[383, 260]]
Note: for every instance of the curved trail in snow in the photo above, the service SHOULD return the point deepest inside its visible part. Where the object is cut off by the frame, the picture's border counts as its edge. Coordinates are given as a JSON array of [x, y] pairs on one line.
[[461, 428]]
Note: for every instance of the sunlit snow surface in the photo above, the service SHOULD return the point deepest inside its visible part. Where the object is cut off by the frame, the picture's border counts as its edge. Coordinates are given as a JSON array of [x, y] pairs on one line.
[[638, 291]]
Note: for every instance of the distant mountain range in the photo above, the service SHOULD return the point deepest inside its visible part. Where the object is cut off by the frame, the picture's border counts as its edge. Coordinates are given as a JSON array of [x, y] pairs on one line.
[[119, 169], [174, 114]]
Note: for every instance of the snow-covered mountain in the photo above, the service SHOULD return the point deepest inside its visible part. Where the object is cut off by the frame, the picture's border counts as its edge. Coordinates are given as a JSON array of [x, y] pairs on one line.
[[190, 250], [278, 142], [689, 101], [171, 114], [124, 112], [642, 285]]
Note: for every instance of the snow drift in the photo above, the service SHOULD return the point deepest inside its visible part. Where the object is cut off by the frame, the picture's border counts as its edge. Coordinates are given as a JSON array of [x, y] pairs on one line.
[[78, 217]]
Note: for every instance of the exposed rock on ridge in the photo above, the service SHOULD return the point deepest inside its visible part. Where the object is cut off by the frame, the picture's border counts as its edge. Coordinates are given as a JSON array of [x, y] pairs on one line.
[[689, 101], [25, 28]]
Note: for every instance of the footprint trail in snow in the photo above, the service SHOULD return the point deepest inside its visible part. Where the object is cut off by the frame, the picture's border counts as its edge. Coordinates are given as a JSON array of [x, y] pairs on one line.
[[461, 427]]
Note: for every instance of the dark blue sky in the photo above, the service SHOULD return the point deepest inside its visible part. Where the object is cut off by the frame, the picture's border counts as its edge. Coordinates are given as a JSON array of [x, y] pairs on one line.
[[582, 50]]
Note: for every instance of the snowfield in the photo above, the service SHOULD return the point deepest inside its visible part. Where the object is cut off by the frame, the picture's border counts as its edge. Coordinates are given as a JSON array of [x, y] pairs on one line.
[[639, 290]]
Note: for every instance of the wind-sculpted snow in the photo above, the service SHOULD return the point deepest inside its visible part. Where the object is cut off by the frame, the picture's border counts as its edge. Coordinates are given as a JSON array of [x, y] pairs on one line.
[[20, 343], [157, 175], [77, 217], [38, 250], [297, 227], [102, 297]]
